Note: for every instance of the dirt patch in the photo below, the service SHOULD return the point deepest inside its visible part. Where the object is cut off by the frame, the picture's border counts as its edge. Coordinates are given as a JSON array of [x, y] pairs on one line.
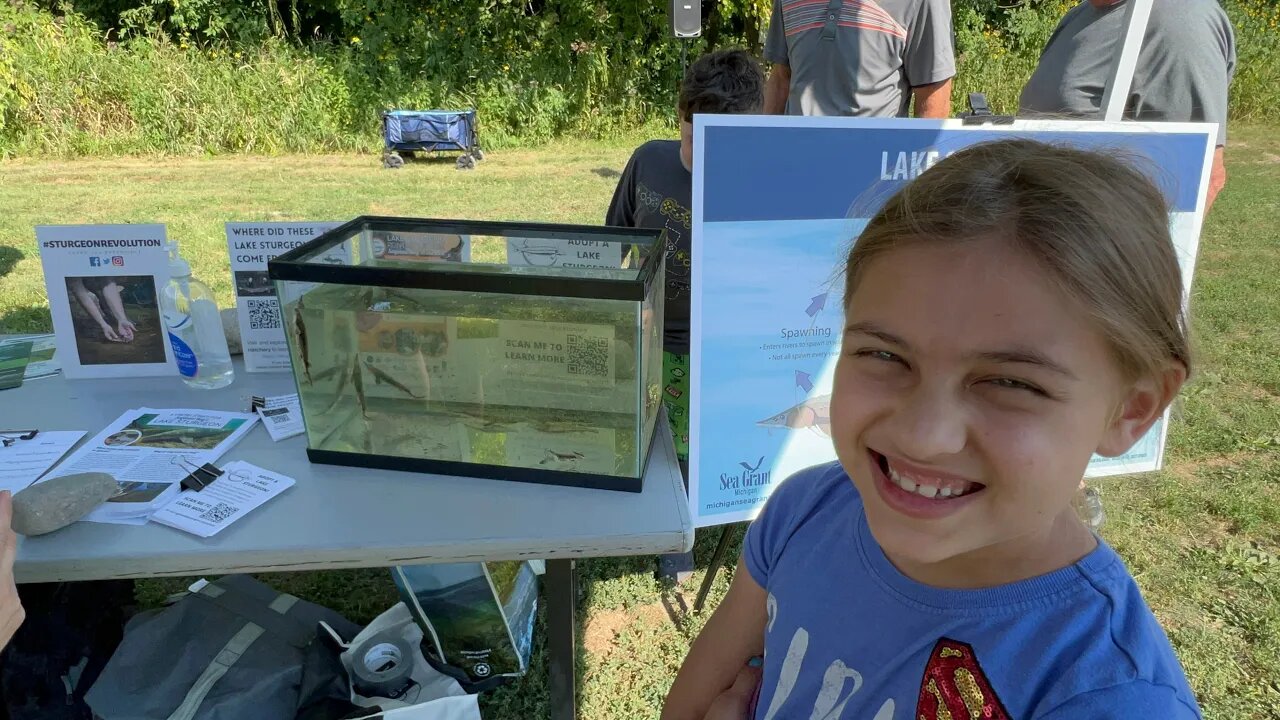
[[1190, 471], [603, 628], [1270, 157]]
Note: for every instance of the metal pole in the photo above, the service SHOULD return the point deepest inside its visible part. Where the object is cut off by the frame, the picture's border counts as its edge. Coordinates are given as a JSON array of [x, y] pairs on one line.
[[562, 592], [1116, 95], [716, 561]]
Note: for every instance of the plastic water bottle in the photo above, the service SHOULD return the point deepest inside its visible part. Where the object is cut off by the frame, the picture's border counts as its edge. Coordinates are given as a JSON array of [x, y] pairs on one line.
[[1089, 506], [195, 328]]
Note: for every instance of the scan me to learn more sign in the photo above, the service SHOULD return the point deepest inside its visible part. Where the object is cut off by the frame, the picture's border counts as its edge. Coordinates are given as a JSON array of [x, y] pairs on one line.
[[777, 201]]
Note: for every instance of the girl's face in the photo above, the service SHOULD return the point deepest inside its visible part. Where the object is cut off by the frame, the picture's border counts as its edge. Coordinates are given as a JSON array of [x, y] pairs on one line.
[[969, 397]]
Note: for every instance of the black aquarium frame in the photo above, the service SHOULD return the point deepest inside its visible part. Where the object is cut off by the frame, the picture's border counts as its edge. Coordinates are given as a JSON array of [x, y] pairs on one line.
[[293, 266]]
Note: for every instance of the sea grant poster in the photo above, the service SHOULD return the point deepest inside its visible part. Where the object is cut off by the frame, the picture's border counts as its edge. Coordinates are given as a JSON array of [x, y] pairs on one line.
[[777, 202]]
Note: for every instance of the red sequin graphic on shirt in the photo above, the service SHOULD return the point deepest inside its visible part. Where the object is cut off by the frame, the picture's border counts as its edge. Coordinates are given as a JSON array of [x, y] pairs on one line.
[[955, 687]]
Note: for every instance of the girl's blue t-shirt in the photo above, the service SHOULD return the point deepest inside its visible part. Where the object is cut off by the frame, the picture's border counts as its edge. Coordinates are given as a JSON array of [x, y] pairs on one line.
[[850, 637]]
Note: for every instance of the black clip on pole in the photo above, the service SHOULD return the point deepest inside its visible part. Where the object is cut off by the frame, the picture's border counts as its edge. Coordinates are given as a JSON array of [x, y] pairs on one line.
[[980, 112]]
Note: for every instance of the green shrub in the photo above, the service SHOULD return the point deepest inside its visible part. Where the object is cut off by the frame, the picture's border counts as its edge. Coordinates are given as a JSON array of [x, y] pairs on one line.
[[212, 76], [997, 49], [66, 91], [1255, 92]]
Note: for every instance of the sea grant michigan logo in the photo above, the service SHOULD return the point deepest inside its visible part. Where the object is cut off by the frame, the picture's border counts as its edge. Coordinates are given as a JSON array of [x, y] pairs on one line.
[[750, 476]]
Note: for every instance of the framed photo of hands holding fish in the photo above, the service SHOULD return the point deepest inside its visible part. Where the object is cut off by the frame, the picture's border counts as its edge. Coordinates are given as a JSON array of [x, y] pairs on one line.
[[103, 283]]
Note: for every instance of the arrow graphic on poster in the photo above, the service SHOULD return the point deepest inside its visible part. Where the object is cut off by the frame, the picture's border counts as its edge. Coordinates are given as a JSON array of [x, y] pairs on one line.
[[816, 304], [803, 381]]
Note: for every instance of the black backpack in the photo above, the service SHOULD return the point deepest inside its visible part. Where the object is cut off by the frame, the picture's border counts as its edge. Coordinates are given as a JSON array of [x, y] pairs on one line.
[[70, 632]]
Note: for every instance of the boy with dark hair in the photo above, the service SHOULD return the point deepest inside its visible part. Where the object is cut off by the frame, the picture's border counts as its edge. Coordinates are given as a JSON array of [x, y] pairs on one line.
[[656, 191]]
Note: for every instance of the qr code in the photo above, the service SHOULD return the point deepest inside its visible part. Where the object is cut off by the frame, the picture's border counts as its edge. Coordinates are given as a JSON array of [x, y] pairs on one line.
[[264, 314], [589, 355], [218, 513]]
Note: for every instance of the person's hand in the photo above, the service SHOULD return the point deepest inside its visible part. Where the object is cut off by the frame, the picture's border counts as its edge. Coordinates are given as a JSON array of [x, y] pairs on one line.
[[110, 333], [126, 329], [11, 612], [736, 702]]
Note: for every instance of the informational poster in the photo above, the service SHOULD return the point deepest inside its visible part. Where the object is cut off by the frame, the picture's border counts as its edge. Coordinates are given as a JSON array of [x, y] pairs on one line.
[[417, 247], [487, 361], [777, 202], [251, 245], [564, 253], [104, 286]]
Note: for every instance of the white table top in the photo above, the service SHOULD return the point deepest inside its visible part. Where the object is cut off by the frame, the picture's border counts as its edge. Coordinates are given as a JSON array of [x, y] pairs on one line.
[[337, 517]]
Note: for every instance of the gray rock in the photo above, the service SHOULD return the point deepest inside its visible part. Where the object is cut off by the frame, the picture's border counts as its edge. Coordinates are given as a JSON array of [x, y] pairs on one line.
[[231, 328], [55, 504]]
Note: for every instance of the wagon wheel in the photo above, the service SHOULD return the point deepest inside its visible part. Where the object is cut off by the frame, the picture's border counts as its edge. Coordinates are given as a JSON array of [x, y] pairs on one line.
[[466, 162], [478, 154], [392, 161]]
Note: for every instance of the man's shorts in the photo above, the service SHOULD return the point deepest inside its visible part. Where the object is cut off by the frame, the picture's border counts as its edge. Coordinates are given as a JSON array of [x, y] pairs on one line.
[[675, 394]]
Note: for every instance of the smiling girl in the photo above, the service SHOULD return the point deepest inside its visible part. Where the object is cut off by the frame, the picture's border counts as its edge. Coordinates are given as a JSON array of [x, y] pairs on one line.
[[1009, 314]]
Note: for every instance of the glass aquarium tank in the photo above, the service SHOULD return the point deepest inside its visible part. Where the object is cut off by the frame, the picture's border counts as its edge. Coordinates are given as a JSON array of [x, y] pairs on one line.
[[516, 351]]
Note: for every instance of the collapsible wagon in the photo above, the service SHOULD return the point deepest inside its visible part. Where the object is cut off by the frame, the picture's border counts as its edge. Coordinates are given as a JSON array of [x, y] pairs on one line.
[[408, 131]]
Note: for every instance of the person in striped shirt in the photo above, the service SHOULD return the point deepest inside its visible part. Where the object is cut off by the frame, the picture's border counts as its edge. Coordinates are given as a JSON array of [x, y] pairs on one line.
[[860, 58]]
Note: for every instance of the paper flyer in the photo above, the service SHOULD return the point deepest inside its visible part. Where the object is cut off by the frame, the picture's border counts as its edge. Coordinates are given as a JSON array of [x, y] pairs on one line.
[[149, 451], [44, 362], [104, 286], [251, 245], [25, 457], [242, 488], [14, 358], [281, 416]]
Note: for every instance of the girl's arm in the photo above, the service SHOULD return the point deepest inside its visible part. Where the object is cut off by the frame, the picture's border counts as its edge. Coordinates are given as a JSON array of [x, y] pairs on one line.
[[733, 635]]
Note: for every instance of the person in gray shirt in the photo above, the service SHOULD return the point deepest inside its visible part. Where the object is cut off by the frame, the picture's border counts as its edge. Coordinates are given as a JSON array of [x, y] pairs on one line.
[[859, 57], [1188, 57]]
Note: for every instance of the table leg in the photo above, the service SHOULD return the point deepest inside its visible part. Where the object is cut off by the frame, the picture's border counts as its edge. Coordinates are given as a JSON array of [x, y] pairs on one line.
[[562, 600]]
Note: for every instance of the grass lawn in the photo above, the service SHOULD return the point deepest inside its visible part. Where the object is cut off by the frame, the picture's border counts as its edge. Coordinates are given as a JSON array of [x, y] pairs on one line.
[[1202, 537]]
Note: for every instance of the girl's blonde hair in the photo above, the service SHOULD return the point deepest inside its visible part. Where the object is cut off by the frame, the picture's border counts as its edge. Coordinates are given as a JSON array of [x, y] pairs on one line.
[[1098, 227]]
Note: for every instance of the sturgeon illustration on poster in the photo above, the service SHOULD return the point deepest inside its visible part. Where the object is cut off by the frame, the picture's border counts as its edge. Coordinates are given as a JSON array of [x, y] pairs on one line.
[[777, 203]]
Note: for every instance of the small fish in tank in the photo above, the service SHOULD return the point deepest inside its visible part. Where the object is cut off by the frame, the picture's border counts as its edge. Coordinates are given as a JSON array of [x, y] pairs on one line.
[[492, 377]]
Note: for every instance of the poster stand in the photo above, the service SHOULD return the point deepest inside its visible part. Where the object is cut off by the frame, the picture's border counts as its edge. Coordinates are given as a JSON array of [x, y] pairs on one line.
[[1137, 14]]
